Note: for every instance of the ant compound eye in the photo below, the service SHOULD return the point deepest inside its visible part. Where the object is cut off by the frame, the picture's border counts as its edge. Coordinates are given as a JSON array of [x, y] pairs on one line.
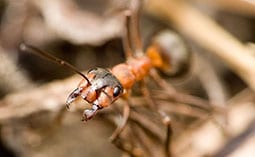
[[117, 90]]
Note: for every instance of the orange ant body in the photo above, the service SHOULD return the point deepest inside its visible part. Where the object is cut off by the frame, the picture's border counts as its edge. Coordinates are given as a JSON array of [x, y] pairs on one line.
[[103, 87]]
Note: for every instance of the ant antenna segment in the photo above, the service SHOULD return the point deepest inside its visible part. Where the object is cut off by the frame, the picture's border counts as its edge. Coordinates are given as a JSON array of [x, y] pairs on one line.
[[31, 49]]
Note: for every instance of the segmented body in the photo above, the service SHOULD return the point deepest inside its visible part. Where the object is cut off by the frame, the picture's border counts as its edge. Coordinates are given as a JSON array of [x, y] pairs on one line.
[[135, 69], [102, 87]]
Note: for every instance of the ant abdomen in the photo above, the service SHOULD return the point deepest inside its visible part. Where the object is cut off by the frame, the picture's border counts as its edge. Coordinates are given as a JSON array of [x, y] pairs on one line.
[[173, 55]]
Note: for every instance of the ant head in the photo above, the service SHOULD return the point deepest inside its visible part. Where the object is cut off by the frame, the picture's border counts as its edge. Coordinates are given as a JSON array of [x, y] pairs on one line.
[[103, 89], [102, 78]]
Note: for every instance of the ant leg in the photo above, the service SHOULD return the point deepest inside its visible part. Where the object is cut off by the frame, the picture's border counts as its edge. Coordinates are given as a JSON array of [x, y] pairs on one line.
[[131, 37], [162, 83], [125, 37], [164, 117], [134, 27], [90, 113], [119, 129], [181, 97]]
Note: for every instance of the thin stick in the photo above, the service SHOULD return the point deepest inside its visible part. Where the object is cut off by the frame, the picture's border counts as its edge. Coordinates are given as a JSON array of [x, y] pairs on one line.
[[169, 133], [237, 141], [125, 145], [31, 49], [243, 7], [147, 125], [167, 122], [137, 134], [120, 144]]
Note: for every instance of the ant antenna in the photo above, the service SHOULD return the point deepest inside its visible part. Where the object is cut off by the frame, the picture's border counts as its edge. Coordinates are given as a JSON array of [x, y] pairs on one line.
[[31, 49]]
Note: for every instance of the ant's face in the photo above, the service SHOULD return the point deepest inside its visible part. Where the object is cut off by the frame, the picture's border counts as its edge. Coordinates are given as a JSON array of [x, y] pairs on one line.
[[102, 89]]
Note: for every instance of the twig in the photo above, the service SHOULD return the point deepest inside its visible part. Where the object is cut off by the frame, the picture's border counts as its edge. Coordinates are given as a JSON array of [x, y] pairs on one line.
[[139, 136], [211, 82], [245, 7], [181, 109], [11, 32], [147, 124], [169, 134], [236, 142], [191, 142], [49, 97], [79, 26]]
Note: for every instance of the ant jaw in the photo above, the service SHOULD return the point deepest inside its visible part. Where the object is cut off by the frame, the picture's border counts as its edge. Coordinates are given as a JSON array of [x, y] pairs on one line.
[[72, 97]]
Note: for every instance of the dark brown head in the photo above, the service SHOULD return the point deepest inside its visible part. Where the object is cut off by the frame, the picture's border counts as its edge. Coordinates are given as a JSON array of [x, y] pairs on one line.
[[102, 90]]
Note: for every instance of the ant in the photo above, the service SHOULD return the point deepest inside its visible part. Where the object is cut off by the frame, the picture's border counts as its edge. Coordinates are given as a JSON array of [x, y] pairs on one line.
[[101, 87]]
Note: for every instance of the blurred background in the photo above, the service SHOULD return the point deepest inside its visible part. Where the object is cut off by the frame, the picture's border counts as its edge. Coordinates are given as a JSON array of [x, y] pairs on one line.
[[219, 35]]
